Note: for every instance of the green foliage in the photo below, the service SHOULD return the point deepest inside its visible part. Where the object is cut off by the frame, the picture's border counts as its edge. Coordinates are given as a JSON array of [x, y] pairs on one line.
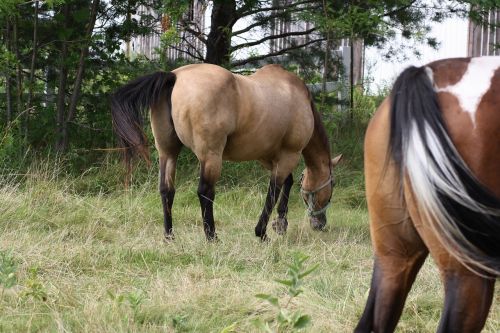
[[230, 329], [8, 269], [285, 319], [33, 287], [9, 7], [7, 145], [364, 105], [7, 61], [377, 23], [479, 9], [105, 68], [54, 3], [175, 9], [134, 299], [170, 36], [179, 323]]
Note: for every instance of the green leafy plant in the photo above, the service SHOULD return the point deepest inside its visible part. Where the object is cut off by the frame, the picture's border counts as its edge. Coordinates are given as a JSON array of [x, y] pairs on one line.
[[134, 299], [34, 287], [8, 267], [179, 323], [287, 320]]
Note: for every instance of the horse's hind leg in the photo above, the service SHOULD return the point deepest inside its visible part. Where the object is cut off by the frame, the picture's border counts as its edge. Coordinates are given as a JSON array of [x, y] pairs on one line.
[[399, 254], [468, 296], [467, 301], [209, 174], [167, 189], [399, 250], [169, 146], [280, 225]]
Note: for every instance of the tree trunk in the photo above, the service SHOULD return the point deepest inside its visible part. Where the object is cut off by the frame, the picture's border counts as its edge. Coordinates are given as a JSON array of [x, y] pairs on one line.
[[33, 56], [326, 68], [8, 76], [79, 76], [50, 86], [219, 38], [32, 69], [351, 75], [19, 78], [128, 19], [63, 75]]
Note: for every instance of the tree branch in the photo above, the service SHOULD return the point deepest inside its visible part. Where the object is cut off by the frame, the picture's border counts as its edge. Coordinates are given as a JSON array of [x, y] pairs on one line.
[[196, 33], [260, 41], [241, 14], [185, 51], [261, 22], [273, 54], [199, 56], [394, 11]]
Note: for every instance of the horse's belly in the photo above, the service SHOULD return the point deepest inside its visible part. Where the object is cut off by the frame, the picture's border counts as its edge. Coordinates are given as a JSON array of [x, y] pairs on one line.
[[248, 149]]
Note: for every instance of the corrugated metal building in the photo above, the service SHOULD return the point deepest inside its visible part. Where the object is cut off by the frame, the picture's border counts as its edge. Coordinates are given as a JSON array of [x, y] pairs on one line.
[[484, 39], [147, 45]]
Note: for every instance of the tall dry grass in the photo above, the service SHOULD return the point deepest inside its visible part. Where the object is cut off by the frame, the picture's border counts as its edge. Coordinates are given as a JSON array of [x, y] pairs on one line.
[[92, 260]]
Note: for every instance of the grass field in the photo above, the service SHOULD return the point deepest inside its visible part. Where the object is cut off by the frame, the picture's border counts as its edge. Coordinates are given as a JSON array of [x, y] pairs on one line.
[[90, 259]]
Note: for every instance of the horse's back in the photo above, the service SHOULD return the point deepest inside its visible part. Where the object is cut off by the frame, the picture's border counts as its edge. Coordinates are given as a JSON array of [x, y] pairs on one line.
[[250, 117], [274, 114], [469, 98]]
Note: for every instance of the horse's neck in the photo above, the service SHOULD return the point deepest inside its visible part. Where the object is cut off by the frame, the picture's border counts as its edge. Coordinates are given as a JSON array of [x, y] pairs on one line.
[[317, 156]]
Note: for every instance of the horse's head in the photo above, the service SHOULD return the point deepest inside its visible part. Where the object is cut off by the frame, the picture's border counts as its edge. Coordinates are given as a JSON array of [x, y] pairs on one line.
[[317, 194]]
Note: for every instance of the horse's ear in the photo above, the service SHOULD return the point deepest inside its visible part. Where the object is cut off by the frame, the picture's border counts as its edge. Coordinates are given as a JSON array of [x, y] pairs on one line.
[[336, 160]]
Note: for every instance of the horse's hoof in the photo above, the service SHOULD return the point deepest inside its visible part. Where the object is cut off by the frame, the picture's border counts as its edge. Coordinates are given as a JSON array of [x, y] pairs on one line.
[[167, 238], [260, 232], [280, 225], [213, 238], [318, 223], [264, 239]]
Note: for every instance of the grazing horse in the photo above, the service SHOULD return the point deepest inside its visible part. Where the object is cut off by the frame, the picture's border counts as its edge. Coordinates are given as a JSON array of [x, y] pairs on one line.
[[432, 168], [268, 116]]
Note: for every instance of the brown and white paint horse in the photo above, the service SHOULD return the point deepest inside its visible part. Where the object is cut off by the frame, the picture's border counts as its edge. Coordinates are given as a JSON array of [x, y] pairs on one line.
[[432, 167], [268, 116]]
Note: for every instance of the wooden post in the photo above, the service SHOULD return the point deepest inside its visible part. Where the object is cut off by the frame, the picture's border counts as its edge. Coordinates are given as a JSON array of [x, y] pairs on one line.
[[484, 39], [497, 38], [491, 35]]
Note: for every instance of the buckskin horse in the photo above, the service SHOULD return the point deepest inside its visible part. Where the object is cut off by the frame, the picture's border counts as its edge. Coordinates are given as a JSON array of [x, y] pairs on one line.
[[268, 116], [432, 168]]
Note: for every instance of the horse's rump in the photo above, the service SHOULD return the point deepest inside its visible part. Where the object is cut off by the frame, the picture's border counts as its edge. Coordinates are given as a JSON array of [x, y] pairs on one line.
[[448, 148]]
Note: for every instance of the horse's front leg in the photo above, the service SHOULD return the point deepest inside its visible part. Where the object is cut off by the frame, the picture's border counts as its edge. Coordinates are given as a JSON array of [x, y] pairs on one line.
[[167, 191], [281, 224], [273, 193], [209, 174]]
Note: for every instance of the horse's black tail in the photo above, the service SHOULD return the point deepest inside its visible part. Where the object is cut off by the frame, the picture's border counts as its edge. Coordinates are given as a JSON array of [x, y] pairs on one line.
[[465, 215], [128, 105]]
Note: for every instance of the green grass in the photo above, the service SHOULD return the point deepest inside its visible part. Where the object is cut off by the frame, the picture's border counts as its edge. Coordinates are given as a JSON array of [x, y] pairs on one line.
[[89, 259]]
